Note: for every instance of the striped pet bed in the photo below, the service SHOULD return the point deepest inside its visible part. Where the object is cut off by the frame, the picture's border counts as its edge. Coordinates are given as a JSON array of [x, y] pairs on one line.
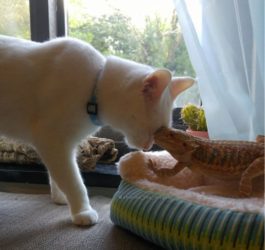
[[175, 223]]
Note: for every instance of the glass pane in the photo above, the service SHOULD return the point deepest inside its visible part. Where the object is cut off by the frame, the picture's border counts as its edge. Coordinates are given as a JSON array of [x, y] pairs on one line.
[[141, 30], [15, 18]]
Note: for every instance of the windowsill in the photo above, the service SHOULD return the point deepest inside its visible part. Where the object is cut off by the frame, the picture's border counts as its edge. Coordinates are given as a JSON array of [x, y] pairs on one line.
[[105, 175], [28, 188]]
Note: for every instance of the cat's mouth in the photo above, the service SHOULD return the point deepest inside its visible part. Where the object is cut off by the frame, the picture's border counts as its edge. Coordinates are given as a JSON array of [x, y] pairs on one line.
[[140, 145], [148, 145]]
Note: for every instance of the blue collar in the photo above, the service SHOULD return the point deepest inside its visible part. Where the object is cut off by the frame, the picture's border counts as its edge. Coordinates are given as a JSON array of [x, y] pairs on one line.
[[92, 106], [92, 109]]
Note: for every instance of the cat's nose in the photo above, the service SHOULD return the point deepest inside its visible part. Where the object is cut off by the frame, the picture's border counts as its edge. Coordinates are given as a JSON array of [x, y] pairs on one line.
[[148, 145]]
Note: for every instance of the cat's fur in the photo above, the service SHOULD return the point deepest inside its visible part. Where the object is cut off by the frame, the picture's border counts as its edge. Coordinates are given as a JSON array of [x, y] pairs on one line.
[[44, 89]]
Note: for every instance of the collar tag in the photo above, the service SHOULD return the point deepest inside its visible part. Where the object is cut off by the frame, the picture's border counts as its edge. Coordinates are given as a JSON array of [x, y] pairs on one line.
[[92, 108]]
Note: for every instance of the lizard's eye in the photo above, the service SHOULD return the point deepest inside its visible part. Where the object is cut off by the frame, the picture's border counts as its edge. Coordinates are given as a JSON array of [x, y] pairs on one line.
[[171, 134], [184, 144]]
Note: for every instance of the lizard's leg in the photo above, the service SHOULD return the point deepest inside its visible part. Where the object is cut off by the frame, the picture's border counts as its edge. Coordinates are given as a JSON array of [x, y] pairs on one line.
[[256, 168], [163, 172]]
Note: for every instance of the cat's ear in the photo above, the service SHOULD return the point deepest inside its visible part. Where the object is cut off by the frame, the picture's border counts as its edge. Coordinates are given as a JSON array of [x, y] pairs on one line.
[[179, 84], [155, 83]]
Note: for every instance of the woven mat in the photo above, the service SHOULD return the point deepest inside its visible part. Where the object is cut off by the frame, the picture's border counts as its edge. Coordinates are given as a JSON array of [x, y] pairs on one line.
[[90, 151], [32, 221]]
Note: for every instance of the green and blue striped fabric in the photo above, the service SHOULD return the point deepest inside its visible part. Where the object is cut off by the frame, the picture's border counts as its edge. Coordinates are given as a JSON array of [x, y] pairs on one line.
[[174, 223]]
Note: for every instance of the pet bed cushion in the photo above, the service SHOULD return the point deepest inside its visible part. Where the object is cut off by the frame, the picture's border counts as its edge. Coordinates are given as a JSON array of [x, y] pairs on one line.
[[169, 217]]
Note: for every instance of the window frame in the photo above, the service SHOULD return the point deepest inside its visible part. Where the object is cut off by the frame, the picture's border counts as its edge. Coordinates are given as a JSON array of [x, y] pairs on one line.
[[47, 19]]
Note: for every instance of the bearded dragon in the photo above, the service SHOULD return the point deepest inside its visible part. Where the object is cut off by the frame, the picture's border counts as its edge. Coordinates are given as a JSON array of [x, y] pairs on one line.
[[221, 159]]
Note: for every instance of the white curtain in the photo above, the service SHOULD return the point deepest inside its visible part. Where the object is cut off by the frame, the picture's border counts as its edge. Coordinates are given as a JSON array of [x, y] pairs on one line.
[[225, 41]]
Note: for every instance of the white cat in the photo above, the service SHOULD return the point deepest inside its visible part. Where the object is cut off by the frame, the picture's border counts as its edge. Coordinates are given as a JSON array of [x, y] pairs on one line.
[[44, 92]]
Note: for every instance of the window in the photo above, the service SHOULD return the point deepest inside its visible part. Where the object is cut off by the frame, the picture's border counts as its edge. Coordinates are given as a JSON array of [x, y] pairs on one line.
[[136, 30], [15, 18]]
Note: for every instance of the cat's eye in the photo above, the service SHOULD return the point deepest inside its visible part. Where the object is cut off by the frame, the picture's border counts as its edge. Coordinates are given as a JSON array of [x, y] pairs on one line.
[[171, 134]]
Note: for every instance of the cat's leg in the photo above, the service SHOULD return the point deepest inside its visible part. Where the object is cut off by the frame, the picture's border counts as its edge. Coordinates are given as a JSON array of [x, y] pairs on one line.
[[57, 195], [64, 171]]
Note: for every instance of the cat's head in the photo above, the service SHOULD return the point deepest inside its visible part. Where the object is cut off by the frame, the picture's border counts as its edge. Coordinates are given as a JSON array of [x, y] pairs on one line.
[[137, 100]]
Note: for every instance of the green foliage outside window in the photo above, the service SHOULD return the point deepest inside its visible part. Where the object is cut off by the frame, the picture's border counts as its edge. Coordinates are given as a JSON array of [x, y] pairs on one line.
[[159, 43], [14, 18]]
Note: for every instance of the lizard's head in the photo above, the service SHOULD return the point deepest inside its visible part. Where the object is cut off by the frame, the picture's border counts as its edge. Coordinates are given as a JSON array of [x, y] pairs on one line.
[[175, 141]]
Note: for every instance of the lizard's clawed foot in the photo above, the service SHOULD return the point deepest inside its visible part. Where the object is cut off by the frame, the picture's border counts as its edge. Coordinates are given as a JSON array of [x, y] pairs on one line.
[[153, 167], [162, 172]]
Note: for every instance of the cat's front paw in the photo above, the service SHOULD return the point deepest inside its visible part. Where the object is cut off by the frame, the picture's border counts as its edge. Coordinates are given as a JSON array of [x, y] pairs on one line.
[[86, 218]]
